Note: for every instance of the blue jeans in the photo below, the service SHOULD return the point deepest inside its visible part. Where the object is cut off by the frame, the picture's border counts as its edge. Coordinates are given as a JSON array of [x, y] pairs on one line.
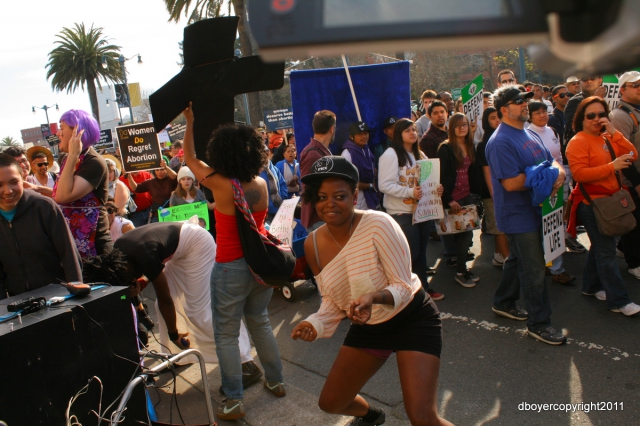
[[234, 293], [601, 270], [524, 270], [417, 236], [139, 218]]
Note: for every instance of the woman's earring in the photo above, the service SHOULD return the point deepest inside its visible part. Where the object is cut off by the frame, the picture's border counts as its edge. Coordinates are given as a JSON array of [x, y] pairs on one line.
[[355, 202]]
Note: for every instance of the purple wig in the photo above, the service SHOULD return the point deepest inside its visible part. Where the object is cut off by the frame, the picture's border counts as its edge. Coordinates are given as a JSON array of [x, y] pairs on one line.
[[86, 122]]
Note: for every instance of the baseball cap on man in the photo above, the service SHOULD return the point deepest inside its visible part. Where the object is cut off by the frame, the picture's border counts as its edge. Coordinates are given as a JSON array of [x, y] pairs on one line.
[[510, 95], [332, 166], [629, 77], [390, 121], [358, 127]]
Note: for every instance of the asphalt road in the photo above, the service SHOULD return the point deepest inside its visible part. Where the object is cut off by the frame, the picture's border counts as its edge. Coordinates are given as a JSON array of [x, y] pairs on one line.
[[489, 367]]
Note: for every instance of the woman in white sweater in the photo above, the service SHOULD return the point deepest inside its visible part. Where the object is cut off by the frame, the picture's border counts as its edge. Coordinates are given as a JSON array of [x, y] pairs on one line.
[[361, 264], [398, 179]]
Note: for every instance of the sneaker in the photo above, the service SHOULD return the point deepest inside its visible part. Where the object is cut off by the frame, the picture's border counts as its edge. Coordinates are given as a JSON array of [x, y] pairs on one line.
[[573, 245], [563, 278], [276, 388], [466, 279], [231, 409], [628, 310], [516, 313], [635, 272], [600, 295], [431, 271], [580, 228], [435, 295], [452, 262], [358, 421], [549, 335], [250, 374], [498, 260]]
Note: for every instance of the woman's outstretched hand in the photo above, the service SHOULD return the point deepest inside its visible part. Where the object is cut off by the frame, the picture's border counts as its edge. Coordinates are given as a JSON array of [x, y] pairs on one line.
[[188, 113], [360, 309], [304, 331]]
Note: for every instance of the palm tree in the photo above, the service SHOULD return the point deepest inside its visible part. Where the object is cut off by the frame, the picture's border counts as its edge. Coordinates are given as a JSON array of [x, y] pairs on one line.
[[77, 61], [211, 9], [8, 141]]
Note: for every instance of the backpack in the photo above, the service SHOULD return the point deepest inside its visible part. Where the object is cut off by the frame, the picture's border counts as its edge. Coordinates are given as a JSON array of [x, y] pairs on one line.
[[633, 118]]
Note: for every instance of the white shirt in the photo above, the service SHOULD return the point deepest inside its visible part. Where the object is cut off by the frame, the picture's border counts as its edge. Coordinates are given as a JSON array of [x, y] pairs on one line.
[[361, 203], [549, 140], [397, 183]]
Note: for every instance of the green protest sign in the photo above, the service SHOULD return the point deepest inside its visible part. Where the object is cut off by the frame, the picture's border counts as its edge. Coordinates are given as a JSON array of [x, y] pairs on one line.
[[456, 93], [185, 212], [553, 226], [472, 99]]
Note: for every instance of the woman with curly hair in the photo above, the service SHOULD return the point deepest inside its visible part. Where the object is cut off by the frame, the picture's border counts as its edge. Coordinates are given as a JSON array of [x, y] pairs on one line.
[[235, 155], [82, 187]]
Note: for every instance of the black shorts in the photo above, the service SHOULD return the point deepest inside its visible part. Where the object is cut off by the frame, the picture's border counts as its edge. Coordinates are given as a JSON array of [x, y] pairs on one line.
[[416, 328]]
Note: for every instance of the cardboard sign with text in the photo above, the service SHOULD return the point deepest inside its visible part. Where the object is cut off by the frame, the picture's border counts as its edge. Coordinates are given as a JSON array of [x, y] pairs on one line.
[[185, 212], [283, 224], [139, 147], [106, 140], [553, 227], [472, 99], [430, 205], [278, 119]]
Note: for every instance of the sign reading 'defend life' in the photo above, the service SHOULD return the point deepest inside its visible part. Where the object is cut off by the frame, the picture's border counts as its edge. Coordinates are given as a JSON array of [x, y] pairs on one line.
[[278, 119], [139, 147], [283, 224], [185, 212], [610, 82], [553, 227], [106, 140], [430, 205], [472, 99]]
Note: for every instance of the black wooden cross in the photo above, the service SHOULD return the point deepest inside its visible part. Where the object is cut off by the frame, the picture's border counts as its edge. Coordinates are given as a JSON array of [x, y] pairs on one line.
[[211, 77]]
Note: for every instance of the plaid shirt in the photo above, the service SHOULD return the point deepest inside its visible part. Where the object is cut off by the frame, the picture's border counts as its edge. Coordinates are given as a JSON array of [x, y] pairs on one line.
[[431, 141]]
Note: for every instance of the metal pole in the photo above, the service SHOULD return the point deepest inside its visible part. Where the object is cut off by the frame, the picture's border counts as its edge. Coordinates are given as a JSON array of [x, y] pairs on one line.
[[523, 70], [353, 92], [126, 394], [126, 86], [246, 109]]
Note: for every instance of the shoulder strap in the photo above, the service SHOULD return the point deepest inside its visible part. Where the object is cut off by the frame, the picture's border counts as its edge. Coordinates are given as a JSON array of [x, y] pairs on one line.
[[632, 115], [584, 193], [315, 248], [613, 158]]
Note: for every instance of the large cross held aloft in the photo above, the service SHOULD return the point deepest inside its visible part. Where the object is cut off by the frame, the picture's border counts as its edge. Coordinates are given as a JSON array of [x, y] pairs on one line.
[[211, 77]]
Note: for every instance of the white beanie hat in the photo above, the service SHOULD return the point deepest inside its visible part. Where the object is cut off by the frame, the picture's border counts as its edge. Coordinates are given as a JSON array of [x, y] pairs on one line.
[[185, 172]]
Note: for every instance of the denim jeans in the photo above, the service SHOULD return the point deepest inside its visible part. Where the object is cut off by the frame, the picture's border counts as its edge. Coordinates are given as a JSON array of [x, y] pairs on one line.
[[556, 266], [524, 269], [139, 218], [417, 236], [458, 244], [601, 270], [234, 293]]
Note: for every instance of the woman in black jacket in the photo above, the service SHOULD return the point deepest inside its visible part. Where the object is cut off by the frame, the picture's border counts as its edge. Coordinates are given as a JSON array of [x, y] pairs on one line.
[[460, 176]]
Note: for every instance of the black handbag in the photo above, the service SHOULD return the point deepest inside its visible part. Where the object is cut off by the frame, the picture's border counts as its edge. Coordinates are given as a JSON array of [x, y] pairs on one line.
[[614, 214], [270, 260]]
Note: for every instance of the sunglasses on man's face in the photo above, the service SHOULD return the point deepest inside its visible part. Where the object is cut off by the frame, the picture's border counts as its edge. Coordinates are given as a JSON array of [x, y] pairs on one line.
[[42, 164], [517, 102], [633, 85], [593, 115], [563, 95]]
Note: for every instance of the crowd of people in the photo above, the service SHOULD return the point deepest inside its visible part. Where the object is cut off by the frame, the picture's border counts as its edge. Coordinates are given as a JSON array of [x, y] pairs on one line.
[[92, 221]]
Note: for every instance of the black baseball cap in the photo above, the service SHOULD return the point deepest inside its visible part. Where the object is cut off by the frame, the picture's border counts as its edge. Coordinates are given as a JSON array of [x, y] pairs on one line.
[[390, 121], [509, 95], [332, 166], [358, 127]]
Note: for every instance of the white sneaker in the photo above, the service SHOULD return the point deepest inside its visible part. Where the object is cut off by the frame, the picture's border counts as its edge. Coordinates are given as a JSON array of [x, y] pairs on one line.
[[635, 272], [498, 260], [601, 295], [628, 310]]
